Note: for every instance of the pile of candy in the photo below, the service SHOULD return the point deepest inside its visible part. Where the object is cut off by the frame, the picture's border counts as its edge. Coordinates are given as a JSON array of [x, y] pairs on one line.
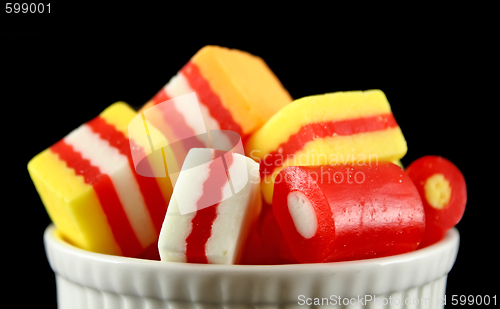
[[318, 179]]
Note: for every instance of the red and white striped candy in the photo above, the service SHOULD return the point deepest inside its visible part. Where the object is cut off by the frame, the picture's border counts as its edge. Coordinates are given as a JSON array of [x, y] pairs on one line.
[[186, 124], [215, 201]]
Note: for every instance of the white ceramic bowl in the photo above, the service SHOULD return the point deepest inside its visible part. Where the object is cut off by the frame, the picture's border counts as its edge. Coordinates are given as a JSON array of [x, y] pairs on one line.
[[91, 280]]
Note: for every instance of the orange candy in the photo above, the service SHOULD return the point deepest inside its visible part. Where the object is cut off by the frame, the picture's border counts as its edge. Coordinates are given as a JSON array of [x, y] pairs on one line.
[[237, 91]]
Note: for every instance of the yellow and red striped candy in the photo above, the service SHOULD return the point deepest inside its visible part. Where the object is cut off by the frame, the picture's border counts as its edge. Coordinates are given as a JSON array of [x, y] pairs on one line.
[[237, 91], [88, 184], [354, 127]]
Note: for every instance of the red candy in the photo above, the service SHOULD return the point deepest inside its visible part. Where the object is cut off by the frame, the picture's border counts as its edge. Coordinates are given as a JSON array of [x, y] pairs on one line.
[[443, 191], [346, 212], [269, 236], [266, 245]]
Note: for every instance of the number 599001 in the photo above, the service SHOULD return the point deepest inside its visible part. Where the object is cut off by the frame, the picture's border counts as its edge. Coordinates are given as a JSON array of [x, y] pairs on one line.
[[27, 8]]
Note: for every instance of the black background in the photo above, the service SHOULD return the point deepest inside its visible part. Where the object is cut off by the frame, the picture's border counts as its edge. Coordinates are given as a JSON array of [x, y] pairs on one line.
[[61, 70]]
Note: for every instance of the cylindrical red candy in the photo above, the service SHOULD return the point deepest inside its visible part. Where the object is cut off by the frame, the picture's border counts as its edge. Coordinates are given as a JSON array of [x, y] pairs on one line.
[[348, 212], [443, 191]]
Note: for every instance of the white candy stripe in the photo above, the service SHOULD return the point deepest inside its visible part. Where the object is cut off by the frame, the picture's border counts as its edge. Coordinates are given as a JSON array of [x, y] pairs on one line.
[[189, 186], [238, 172], [303, 214], [174, 232], [182, 208], [221, 246], [235, 214], [111, 162], [187, 105], [178, 86]]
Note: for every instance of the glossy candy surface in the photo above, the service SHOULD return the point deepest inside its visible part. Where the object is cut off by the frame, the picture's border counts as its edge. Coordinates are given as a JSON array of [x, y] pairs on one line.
[[348, 212], [444, 194]]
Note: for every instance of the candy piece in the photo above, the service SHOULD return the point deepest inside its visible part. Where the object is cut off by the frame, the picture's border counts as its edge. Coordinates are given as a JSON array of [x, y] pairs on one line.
[[181, 137], [348, 212], [344, 127], [91, 191], [237, 91], [444, 195], [266, 244], [181, 122], [398, 163], [215, 201]]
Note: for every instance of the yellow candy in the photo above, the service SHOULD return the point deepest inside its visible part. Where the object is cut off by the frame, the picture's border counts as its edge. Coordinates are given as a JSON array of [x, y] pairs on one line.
[[89, 186], [355, 127]]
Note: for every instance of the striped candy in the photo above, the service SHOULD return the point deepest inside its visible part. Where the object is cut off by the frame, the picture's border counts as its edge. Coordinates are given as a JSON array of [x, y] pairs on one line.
[[215, 201], [180, 120], [237, 91], [338, 128], [88, 184]]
